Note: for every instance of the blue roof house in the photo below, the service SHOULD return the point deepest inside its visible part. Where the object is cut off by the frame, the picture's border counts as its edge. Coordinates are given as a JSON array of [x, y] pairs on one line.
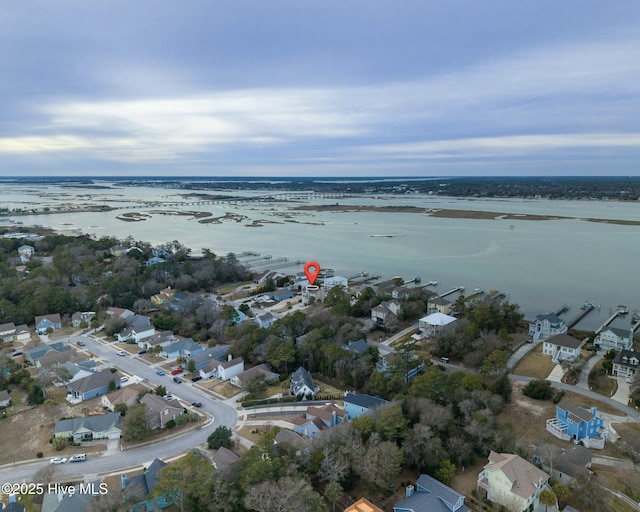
[[355, 405], [139, 489], [186, 347], [430, 495], [46, 321]]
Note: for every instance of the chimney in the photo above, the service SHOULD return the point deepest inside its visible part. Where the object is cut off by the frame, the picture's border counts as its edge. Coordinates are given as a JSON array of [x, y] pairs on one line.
[[123, 480], [410, 490], [229, 358]]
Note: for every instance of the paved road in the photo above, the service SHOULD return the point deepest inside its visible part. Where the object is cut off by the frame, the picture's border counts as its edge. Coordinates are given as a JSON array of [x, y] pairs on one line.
[[222, 415]]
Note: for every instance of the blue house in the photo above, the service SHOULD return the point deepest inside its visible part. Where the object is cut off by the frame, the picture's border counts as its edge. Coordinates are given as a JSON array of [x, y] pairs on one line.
[[216, 353], [92, 385], [154, 261], [317, 419], [48, 321], [430, 495], [186, 347], [138, 489], [356, 405], [279, 295], [575, 423]]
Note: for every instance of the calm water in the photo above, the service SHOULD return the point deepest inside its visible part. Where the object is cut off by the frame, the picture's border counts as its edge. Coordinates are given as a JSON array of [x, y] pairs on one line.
[[540, 264]]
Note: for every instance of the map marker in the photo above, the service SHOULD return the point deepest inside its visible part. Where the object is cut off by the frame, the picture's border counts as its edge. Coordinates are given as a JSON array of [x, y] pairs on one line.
[[311, 270]]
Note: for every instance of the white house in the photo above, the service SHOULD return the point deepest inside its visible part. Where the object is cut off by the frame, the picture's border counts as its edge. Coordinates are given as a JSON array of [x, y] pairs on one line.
[[386, 313], [433, 323], [138, 327], [302, 384], [229, 369], [512, 482], [614, 338], [625, 364], [561, 347], [546, 325], [265, 320]]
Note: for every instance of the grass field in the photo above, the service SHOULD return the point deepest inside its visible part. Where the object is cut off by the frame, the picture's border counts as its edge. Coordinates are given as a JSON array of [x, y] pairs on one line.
[[535, 365]]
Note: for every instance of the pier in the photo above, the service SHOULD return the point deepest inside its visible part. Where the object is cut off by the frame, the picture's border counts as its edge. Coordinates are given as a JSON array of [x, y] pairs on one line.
[[562, 309], [634, 327], [586, 309], [452, 291], [609, 320]]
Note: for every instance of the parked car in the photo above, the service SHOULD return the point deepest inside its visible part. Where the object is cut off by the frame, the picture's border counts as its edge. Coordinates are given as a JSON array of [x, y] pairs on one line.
[[58, 460], [160, 372], [124, 379], [17, 353], [80, 343], [196, 404], [78, 457], [168, 397], [177, 380], [143, 351], [196, 378], [122, 353], [177, 371]]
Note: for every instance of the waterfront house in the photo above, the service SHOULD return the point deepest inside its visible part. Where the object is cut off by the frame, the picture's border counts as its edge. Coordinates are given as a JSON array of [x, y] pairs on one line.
[[545, 326], [614, 338], [430, 495], [160, 411], [432, 324], [563, 464], [92, 385], [562, 347], [512, 482], [45, 322], [185, 347], [625, 364], [99, 426], [301, 384], [577, 424], [241, 379], [439, 305], [386, 313], [357, 404]]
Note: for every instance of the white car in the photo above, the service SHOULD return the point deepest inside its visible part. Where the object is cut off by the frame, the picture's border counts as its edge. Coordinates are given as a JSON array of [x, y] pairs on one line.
[[122, 353], [58, 460], [79, 457], [124, 379]]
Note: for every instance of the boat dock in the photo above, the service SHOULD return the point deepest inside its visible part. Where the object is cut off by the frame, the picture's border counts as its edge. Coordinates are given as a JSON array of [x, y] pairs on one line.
[[585, 310], [634, 327], [562, 309], [609, 320], [452, 291]]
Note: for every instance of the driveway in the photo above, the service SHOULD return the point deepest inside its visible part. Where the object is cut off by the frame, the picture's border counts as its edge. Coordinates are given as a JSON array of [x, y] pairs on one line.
[[622, 394], [556, 374]]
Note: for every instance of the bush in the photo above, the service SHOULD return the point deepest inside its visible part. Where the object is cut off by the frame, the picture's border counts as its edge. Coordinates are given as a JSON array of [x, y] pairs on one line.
[[39, 455], [558, 397], [219, 437], [170, 424], [60, 443], [182, 419], [539, 389]]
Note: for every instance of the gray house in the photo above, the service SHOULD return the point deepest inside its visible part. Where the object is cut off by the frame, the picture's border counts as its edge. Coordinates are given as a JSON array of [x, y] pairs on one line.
[[302, 384], [546, 325], [100, 426], [430, 495], [92, 385]]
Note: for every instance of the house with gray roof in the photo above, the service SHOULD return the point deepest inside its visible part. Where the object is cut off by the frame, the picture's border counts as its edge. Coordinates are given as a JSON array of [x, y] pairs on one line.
[[186, 347], [55, 359], [5, 399], [614, 338], [81, 316], [92, 385], [358, 346], [357, 404], [8, 332], [44, 322], [430, 495], [625, 364], [386, 313], [563, 464], [241, 379], [301, 384], [223, 460], [546, 325], [160, 411], [40, 350], [562, 347], [207, 360], [137, 328], [99, 426], [68, 501], [138, 489], [161, 339]]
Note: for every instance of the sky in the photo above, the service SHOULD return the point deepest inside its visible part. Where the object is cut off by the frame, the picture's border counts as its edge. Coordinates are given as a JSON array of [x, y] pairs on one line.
[[320, 88]]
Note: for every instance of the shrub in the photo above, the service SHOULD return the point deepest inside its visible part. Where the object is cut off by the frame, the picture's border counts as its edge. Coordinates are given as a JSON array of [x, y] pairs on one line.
[[170, 424], [39, 455], [60, 443], [182, 419], [539, 389], [558, 397], [221, 436]]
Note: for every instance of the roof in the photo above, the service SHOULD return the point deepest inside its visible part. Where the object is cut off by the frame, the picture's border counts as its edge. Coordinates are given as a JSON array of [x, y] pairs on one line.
[[300, 378], [431, 495], [366, 401], [228, 364], [211, 353], [325, 412], [362, 505], [122, 395], [552, 318], [7, 327], [439, 301], [261, 368], [53, 318], [564, 340], [620, 333], [438, 319], [93, 381], [187, 344], [155, 404], [76, 502], [523, 475], [628, 354], [53, 356], [577, 413], [4, 395], [96, 423], [359, 346], [159, 338], [142, 485], [565, 460], [223, 458]]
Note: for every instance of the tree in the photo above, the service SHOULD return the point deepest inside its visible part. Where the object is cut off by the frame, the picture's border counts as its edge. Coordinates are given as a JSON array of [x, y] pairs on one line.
[[288, 494], [160, 390], [547, 498], [333, 492], [36, 395], [539, 389], [562, 492], [390, 423], [134, 424], [220, 437], [111, 386], [381, 463], [191, 366], [121, 408], [446, 472]]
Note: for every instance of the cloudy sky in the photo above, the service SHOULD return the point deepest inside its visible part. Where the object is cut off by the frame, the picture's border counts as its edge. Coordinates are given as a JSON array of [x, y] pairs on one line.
[[316, 88]]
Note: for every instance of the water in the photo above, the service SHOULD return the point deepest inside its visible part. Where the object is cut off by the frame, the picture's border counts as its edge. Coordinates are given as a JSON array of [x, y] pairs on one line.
[[540, 264]]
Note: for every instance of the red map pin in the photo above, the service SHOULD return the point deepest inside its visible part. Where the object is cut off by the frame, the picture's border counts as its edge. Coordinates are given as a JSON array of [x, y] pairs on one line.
[[311, 270]]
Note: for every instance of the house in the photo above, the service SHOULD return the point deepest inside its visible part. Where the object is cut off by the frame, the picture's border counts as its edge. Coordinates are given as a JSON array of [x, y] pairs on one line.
[[439, 305], [625, 364], [99, 426], [223, 460], [356, 404], [362, 505], [117, 250], [93, 385], [154, 261], [41, 350], [55, 359], [386, 313], [545, 326], [185, 347], [614, 338], [26, 252], [119, 313], [137, 328], [512, 482], [563, 464], [158, 339], [126, 395], [301, 384], [163, 296], [577, 424], [432, 324], [160, 411], [22, 333], [78, 370], [430, 495], [561, 347], [70, 500], [5, 399], [81, 316], [138, 489], [230, 368], [241, 379], [207, 361], [280, 295], [317, 419], [8, 332], [44, 322], [333, 281], [358, 346], [265, 320]]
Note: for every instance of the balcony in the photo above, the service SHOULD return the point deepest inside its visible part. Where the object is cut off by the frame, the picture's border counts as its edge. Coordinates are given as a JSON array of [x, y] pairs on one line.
[[558, 428], [483, 481]]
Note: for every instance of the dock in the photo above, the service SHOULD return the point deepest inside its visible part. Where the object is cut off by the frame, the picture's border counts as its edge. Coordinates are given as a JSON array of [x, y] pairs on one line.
[[609, 320], [562, 309], [452, 291], [586, 309], [634, 328]]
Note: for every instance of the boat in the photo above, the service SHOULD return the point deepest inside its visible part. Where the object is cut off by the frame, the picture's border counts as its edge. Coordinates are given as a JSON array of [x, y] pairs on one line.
[[417, 279], [622, 309]]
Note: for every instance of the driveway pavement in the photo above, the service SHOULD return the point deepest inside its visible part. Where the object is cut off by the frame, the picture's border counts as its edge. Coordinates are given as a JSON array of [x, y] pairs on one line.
[[556, 374], [623, 392]]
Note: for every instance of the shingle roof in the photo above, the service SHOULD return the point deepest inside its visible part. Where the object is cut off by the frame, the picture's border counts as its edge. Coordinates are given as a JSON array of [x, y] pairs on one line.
[[431, 495], [576, 413], [187, 345], [524, 477], [233, 362], [363, 505], [366, 401], [629, 354], [621, 333], [552, 318], [91, 382], [97, 423], [564, 340], [300, 378]]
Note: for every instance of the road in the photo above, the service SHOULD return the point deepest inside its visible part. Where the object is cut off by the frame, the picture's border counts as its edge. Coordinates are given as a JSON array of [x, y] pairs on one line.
[[222, 415]]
